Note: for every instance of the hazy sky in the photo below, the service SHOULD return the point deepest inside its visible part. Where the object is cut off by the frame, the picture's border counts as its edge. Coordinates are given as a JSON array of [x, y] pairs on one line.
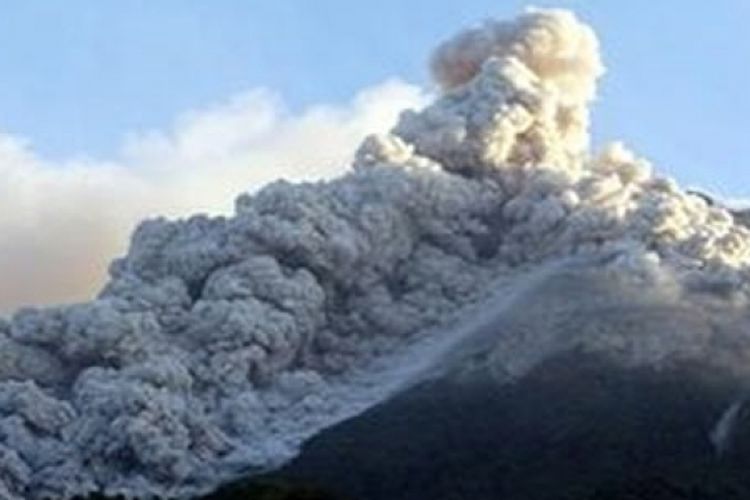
[[79, 75]]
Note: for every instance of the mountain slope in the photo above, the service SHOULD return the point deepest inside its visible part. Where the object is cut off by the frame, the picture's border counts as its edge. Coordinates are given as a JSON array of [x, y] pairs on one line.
[[575, 427], [582, 421]]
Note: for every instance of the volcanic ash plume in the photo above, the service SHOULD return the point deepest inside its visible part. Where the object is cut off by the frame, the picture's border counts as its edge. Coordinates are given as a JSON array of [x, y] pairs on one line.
[[220, 344]]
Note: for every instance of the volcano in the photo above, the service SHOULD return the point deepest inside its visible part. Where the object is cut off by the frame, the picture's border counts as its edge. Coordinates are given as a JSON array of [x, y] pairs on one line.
[[483, 307]]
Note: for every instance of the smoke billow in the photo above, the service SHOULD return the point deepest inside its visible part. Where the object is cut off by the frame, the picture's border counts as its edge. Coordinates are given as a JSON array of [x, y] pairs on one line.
[[222, 343]]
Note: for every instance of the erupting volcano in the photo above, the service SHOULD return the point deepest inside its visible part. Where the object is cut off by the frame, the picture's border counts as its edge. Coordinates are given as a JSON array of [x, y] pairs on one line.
[[481, 307]]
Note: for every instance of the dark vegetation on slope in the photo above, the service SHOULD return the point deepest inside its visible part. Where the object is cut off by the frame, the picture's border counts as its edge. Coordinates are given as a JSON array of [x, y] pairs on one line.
[[577, 427]]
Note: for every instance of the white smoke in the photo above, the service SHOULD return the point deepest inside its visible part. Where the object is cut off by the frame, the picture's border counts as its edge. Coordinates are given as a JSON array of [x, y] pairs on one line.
[[561, 54], [62, 222], [222, 343]]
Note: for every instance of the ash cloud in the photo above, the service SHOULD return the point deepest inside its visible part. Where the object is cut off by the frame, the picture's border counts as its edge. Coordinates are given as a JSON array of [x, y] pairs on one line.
[[220, 344]]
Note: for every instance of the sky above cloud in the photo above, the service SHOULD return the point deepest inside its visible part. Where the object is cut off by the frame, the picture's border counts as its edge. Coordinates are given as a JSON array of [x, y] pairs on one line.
[[174, 107]]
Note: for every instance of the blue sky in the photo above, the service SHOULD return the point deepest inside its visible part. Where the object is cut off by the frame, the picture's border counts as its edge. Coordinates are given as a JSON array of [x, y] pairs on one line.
[[78, 75]]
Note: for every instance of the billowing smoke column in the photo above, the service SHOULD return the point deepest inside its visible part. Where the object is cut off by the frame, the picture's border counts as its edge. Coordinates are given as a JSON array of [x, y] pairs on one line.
[[220, 344]]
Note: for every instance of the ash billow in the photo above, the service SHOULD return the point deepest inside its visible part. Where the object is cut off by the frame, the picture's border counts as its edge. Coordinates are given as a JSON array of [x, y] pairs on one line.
[[220, 345]]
